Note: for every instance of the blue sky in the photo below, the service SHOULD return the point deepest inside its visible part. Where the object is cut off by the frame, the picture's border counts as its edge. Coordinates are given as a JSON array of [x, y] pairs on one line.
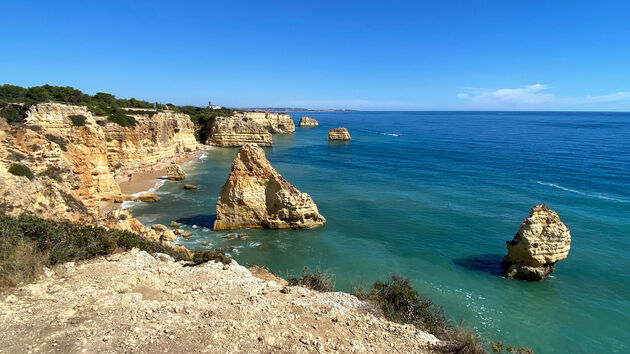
[[373, 55]]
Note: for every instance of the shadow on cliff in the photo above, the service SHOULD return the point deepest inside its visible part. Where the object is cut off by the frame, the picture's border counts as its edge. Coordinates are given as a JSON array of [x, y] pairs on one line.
[[488, 263], [199, 220]]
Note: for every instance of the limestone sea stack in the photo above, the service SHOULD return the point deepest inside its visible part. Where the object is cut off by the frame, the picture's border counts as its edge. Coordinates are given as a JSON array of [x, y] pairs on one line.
[[175, 172], [256, 196], [542, 240], [339, 134], [308, 122], [236, 131]]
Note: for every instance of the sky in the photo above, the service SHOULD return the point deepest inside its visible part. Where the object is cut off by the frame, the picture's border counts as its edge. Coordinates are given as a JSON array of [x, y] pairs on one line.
[[366, 55]]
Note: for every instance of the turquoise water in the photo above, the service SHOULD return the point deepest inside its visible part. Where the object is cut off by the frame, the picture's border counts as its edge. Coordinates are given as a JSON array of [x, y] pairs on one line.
[[437, 204]]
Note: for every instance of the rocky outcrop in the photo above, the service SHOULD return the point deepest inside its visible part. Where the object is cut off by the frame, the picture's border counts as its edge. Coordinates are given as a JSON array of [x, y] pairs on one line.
[[142, 303], [67, 155], [66, 151], [542, 240], [273, 122], [339, 134], [175, 172], [236, 131], [148, 198], [308, 122], [256, 196], [150, 143]]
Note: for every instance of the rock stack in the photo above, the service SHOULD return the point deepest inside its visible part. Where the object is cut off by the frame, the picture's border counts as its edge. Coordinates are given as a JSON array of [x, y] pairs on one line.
[[542, 240], [256, 196], [308, 122], [339, 134], [175, 172]]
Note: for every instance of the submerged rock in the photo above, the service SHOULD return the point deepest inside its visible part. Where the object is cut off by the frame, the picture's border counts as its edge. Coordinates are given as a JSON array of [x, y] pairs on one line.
[[148, 198], [308, 122], [256, 196], [175, 172], [542, 240], [190, 186], [339, 134]]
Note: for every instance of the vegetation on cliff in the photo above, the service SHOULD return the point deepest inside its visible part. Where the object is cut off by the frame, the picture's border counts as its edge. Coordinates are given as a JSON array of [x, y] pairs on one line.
[[100, 104], [28, 243]]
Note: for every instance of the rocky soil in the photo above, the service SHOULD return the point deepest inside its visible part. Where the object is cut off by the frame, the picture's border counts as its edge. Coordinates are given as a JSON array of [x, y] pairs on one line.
[[136, 302]]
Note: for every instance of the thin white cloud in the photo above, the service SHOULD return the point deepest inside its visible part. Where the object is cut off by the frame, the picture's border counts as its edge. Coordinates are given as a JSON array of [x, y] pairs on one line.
[[521, 96], [613, 97]]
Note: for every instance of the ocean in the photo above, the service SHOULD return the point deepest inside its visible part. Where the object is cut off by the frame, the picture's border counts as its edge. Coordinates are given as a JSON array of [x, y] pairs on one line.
[[433, 196]]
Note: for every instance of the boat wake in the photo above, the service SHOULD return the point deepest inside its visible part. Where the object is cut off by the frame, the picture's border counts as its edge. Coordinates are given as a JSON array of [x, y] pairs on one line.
[[589, 195]]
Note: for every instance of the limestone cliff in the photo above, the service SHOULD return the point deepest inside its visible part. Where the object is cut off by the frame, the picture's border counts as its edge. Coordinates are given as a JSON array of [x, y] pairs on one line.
[[542, 240], [256, 196], [66, 152], [273, 122], [308, 122], [339, 134], [151, 142], [236, 131]]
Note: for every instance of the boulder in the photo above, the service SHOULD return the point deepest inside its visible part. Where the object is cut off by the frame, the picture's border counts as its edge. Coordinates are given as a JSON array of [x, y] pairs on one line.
[[541, 241], [174, 224], [175, 172], [190, 186], [308, 122], [148, 198], [339, 134], [256, 196]]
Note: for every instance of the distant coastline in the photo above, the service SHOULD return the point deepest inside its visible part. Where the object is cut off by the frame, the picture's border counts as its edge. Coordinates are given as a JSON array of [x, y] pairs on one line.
[[293, 109]]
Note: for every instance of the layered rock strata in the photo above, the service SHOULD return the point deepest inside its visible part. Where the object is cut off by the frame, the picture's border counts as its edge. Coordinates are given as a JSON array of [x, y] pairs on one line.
[[339, 134], [66, 152], [151, 142], [256, 196], [308, 122], [541, 241], [236, 131], [273, 122]]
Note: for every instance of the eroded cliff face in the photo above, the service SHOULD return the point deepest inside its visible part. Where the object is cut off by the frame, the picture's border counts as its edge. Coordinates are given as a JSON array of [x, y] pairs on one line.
[[273, 122], [152, 142], [236, 131], [256, 196], [64, 161], [542, 240], [66, 152]]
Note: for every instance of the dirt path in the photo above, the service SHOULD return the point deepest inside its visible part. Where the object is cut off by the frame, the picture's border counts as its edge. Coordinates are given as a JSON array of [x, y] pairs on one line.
[[134, 302]]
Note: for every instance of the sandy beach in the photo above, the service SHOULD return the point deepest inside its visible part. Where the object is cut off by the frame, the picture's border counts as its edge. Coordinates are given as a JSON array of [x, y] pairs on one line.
[[145, 180]]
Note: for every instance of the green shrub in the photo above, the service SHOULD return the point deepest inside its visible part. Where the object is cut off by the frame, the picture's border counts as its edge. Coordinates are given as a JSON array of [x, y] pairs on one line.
[[13, 114], [21, 170], [78, 120], [28, 243], [58, 140], [319, 280], [499, 347], [203, 256], [122, 119], [400, 302]]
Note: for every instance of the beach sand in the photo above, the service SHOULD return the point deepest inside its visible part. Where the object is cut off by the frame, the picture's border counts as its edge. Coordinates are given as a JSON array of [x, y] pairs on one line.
[[144, 181]]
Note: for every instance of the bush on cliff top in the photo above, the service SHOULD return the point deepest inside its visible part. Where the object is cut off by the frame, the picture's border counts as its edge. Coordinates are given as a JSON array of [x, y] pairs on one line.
[[29, 243], [21, 170], [78, 120], [13, 114], [319, 280]]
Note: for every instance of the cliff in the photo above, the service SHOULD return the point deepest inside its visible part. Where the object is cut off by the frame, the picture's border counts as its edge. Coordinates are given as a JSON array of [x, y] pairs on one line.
[[153, 141], [136, 302], [273, 122], [68, 160], [236, 131], [58, 164], [256, 196], [541, 241]]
